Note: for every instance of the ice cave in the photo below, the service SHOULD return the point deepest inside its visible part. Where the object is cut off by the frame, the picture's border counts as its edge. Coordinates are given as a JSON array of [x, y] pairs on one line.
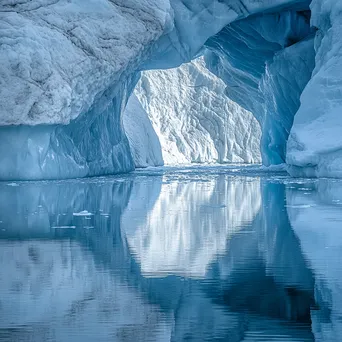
[[170, 170], [208, 81]]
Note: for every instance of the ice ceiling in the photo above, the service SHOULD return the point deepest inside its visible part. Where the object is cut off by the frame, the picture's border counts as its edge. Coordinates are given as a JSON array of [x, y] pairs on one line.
[[69, 67]]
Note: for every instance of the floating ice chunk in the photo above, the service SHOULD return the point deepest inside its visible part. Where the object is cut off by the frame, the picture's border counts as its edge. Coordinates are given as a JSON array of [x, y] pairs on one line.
[[83, 213], [13, 184]]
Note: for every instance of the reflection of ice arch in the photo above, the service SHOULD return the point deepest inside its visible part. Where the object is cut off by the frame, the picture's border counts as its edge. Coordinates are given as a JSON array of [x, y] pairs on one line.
[[190, 224], [84, 282], [57, 288], [61, 257]]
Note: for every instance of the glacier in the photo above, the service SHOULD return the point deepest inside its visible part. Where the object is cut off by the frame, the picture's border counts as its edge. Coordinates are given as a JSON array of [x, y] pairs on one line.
[[194, 119], [67, 71], [69, 68], [315, 146]]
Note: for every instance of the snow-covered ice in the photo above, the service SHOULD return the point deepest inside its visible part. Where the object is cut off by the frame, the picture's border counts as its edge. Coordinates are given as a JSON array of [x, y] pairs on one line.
[[68, 69], [194, 119]]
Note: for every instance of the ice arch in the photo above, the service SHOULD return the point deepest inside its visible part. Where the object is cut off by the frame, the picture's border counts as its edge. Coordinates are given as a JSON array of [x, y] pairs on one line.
[[68, 68]]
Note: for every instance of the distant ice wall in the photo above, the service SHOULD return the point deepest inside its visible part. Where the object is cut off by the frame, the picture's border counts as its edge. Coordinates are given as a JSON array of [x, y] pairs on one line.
[[194, 119]]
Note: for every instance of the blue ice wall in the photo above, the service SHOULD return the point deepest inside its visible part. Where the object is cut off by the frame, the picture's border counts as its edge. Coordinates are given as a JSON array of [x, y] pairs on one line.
[[285, 78], [93, 144], [266, 61]]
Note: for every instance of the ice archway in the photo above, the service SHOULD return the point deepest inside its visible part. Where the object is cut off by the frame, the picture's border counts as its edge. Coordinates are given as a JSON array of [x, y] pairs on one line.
[[68, 68]]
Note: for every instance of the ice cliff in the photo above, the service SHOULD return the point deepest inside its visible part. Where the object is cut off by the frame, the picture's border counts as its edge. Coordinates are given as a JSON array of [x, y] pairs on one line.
[[69, 67], [194, 119], [67, 70]]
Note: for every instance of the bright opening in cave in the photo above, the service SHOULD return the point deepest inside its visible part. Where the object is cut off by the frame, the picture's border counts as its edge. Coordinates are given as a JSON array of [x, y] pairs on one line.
[[193, 120]]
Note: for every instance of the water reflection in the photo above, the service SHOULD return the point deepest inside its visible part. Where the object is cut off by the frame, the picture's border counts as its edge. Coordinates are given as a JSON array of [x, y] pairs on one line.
[[170, 257], [315, 213], [190, 224]]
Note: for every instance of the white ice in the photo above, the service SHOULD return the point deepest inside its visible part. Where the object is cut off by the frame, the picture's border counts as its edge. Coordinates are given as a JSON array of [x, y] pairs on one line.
[[194, 119], [143, 140], [189, 224], [73, 65]]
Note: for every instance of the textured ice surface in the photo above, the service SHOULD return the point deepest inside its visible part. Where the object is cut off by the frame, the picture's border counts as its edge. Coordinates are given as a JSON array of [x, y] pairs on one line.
[[194, 119], [315, 143], [92, 144], [58, 57], [65, 63], [195, 22], [71, 66], [265, 66], [143, 140]]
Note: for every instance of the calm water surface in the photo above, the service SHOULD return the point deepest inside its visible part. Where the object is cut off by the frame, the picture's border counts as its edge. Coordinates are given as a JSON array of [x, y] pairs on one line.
[[171, 254]]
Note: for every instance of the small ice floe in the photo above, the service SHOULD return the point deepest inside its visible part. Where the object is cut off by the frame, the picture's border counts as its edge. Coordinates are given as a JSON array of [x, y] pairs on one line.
[[63, 227], [88, 227], [300, 206], [83, 213], [12, 184]]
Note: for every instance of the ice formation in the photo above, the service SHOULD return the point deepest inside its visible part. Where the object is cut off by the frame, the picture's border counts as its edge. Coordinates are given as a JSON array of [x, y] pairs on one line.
[[68, 69], [315, 143], [143, 140], [269, 78], [194, 119]]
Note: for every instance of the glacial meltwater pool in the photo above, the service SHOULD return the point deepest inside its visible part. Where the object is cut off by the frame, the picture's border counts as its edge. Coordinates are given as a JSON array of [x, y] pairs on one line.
[[172, 254]]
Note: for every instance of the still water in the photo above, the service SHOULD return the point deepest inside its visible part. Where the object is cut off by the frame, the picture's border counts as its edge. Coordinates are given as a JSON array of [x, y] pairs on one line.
[[171, 254]]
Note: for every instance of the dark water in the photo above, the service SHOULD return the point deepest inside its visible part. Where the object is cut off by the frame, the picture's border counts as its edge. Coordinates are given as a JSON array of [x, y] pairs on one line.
[[198, 254]]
